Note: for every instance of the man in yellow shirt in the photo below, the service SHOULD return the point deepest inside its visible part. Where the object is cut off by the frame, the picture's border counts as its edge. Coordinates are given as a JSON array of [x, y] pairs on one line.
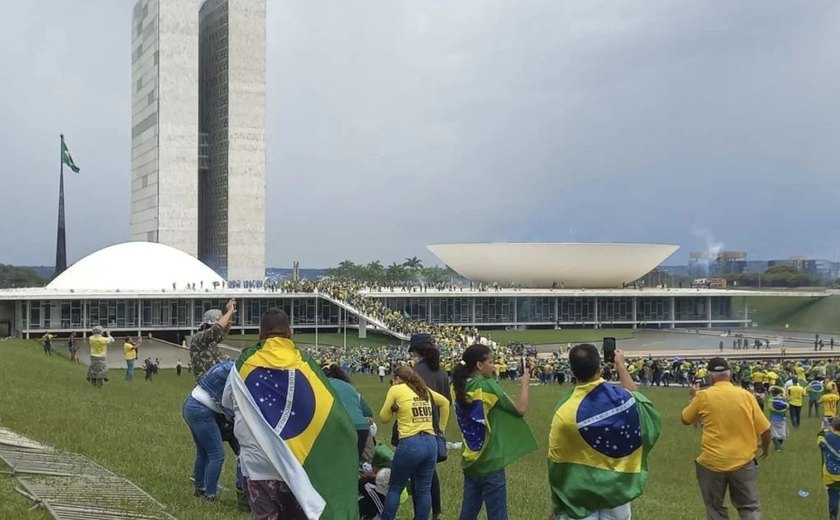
[[731, 422], [130, 349], [47, 340], [796, 396], [829, 403]]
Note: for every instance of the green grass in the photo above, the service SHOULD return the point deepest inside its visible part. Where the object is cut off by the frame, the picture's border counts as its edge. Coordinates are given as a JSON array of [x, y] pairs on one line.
[[802, 314], [135, 429]]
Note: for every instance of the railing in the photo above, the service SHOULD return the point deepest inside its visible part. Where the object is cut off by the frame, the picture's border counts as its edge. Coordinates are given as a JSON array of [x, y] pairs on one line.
[[361, 314]]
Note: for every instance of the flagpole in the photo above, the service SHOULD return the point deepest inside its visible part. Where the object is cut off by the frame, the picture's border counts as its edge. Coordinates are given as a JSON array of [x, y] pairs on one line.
[[60, 244]]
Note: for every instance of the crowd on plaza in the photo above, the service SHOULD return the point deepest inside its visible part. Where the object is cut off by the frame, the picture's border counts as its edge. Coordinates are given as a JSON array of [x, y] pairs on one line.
[[597, 454]]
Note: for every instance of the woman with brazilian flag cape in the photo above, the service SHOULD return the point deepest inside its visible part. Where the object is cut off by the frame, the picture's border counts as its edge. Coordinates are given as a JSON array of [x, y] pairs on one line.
[[600, 439], [292, 425], [495, 433]]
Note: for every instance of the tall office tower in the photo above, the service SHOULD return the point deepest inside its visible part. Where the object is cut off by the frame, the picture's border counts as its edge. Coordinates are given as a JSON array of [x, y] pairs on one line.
[[231, 174], [164, 123]]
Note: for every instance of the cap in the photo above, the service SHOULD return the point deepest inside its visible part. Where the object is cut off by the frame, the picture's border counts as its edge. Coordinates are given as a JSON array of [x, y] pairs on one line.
[[97, 330], [717, 364], [420, 338], [211, 317]]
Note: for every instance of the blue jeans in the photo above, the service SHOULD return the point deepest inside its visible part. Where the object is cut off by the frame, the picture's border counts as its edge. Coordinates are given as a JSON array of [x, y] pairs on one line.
[[833, 502], [415, 459], [209, 452], [490, 490], [129, 370]]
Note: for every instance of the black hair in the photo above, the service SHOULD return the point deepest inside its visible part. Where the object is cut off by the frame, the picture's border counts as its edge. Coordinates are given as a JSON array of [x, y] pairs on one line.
[[275, 322], [335, 372], [473, 355], [584, 361], [430, 354]]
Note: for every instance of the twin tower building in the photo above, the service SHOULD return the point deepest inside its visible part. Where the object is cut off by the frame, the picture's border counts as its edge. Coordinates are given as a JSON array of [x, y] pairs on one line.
[[198, 130]]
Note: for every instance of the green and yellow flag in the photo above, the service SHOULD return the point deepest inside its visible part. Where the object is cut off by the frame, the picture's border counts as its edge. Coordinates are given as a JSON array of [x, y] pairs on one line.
[[301, 426], [66, 158], [494, 433], [600, 439]]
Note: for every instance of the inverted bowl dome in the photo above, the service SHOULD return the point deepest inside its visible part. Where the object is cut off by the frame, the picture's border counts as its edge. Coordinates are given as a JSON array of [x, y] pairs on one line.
[[541, 265]]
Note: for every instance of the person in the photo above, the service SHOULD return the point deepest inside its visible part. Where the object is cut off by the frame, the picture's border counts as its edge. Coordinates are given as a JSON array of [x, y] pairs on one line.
[[493, 430], [130, 349], [427, 366], [200, 411], [815, 391], [98, 370], [46, 339], [732, 420], [795, 395], [354, 403], [829, 444], [204, 344], [588, 478], [73, 348], [381, 373], [410, 401], [149, 368], [373, 484], [178, 368], [829, 404], [778, 424], [297, 443]]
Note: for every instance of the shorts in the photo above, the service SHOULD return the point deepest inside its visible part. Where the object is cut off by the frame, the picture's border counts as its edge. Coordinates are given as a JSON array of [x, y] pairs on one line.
[[272, 500], [621, 512]]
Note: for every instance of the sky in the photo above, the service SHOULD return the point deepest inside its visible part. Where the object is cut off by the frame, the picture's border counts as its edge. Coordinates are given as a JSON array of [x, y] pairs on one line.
[[393, 125]]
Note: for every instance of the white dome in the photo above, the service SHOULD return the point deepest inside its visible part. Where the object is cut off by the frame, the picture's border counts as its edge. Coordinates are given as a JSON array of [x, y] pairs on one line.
[[135, 266]]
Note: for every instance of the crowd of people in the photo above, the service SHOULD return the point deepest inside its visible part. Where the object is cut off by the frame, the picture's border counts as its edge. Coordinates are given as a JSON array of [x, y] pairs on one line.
[[601, 432]]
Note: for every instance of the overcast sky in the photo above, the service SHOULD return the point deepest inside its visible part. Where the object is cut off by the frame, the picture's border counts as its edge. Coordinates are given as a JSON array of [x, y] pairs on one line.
[[396, 124]]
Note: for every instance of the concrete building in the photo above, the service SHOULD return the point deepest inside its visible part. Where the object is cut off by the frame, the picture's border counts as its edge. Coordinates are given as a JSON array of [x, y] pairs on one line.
[[164, 123], [198, 131], [231, 182]]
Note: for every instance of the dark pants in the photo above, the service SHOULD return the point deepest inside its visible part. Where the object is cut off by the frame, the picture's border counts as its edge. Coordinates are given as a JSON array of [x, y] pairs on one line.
[[795, 415], [436, 507], [272, 499], [362, 441], [48, 349], [743, 491], [490, 490], [833, 502], [813, 403]]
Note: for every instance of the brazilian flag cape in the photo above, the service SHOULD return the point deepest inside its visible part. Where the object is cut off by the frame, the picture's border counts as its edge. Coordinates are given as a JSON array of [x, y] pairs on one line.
[[301, 427], [494, 433], [598, 446]]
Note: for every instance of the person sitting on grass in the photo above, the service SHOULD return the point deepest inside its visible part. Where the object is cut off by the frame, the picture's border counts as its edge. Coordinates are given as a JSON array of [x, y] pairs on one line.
[[829, 444]]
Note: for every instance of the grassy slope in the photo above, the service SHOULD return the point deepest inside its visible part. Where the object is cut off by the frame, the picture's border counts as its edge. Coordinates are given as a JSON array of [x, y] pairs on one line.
[[802, 314], [139, 433]]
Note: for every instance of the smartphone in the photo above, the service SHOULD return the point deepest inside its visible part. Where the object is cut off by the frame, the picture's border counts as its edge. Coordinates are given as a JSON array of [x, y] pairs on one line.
[[608, 349]]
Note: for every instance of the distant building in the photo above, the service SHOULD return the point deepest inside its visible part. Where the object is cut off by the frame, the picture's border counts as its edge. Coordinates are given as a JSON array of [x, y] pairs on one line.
[[198, 131], [707, 263]]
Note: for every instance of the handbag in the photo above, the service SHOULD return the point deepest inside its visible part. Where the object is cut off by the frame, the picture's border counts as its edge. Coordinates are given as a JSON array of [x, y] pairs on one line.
[[442, 451]]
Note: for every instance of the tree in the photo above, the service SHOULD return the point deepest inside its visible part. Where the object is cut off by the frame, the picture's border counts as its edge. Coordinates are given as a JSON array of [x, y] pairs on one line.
[[413, 264], [11, 276]]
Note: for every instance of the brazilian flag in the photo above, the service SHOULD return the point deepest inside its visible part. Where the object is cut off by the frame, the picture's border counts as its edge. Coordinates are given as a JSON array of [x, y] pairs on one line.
[[598, 446], [66, 158], [301, 427], [494, 433]]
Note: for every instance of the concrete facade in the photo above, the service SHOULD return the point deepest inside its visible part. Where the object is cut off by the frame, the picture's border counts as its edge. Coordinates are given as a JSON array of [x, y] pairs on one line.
[[164, 205], [232, 120]]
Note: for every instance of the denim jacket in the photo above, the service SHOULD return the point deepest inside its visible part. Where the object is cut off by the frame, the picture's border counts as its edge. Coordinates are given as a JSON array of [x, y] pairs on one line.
[[213, 381]]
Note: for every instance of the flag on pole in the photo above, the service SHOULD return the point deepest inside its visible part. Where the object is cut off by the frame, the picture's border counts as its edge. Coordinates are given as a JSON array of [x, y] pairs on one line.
[[66, 158]]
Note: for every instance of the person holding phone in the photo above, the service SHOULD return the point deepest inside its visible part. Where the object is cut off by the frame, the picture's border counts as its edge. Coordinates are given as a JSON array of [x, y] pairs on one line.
[[204, 344]]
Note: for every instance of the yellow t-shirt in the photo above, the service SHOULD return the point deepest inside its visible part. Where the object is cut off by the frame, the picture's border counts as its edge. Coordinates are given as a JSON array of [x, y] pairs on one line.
[[796, 393], [732, 422], [701, 373], [829, 402], [414, 415], [99, 345], [130, 351], [758, 377], [800, 373]]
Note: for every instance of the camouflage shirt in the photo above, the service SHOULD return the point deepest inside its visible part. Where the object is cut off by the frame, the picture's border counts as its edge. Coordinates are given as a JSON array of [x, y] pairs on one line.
[[204, 350]]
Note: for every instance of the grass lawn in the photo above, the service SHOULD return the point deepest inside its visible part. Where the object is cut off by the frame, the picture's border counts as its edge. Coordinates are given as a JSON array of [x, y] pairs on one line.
[[802, 314], [135, 429]]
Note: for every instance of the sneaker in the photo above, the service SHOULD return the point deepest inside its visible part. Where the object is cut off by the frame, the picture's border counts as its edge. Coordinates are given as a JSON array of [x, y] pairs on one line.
[[198, 493], [210, 498]]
